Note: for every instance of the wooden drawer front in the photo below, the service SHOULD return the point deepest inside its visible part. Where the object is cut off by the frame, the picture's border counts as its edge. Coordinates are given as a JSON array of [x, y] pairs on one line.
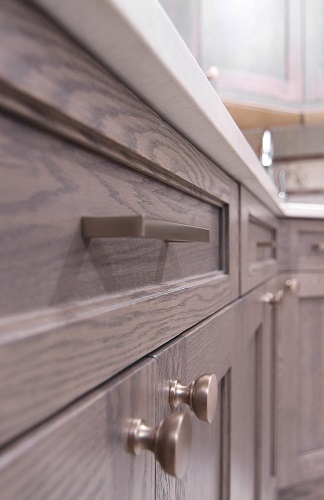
[[261, 242], [204, 349], [48, 185], [258, 242], [302, 245], [104, 303], [82, 452], [76, 312]]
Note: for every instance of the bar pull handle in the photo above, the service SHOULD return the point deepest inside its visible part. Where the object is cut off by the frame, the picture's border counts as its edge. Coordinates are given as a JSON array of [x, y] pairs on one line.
[[271, 244], [318, 246], [140, 226]]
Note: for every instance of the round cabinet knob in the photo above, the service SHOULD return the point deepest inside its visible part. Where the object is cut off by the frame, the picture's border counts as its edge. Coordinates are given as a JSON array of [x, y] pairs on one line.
[[201, 395], [268, 298], [170, 441], [273, 298], [293, 285], [279, 295], [212, 73]]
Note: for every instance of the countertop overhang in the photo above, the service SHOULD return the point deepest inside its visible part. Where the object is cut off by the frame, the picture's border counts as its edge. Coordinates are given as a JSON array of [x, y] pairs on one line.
[[138, 42]]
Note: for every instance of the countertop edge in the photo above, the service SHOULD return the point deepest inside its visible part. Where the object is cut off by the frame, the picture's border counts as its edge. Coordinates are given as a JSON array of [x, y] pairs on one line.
[[141, 46]]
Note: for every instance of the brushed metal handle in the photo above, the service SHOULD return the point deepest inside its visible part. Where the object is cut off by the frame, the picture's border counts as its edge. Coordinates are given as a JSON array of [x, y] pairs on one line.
[[318, 246], [170, 441], [201, 395], [271, 244], [293, 285], [273, 298], [140, 226]]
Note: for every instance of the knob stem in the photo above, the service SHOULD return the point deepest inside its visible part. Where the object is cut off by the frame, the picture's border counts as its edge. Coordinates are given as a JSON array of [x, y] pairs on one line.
[[180, 393], [201, 395], [170, 441]]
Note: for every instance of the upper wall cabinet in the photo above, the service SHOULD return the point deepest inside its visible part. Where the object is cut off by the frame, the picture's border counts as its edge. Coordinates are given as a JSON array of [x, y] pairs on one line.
[[266, 51], [256, 47], [314, 50]]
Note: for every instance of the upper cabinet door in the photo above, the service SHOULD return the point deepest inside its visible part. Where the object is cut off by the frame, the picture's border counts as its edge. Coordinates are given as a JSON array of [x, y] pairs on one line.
[[314, 50], [256, 45]]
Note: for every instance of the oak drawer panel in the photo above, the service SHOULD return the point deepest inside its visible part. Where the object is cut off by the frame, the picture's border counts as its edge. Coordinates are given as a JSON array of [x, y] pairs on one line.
[[259, 235], [82, 452], [48, 185], [75, 312]]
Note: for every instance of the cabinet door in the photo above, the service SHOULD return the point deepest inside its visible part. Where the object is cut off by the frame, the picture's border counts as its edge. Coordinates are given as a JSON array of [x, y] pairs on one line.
[[301, 382], [202, 350], [252, 453], [82, 452], [314, 49], [262, 55]]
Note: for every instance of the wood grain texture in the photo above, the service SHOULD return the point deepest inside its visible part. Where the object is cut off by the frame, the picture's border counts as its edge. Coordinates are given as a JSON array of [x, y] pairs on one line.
[[81, 453], [206, 348], [48, 185], [312, 490], [50, 75], [257, 225], [53, 279], [296, 240], [252, 476], [300, 382], [68, 351]]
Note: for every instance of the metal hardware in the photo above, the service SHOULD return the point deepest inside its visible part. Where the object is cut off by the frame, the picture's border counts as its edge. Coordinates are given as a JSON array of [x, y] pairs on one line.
[[201, 395], [212, 73], [140, 226], [318, 246], [267, 298], [271, 244], [170, 441], [267, 152], [273, 298], [282, 185], [293, 285]]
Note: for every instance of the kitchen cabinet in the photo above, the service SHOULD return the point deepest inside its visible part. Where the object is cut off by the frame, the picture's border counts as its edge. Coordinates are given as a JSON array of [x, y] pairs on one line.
[[95, 327], [259, 240], [205, 349], [273, 56], [300, 380], [300, 353], [82, 452], [314, 46], [262, 58], [253, 472], [102, 304]]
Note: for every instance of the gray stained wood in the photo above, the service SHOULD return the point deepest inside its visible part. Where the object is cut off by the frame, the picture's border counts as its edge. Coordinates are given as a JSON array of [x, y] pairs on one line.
[[290, 142], [47, 186], [300, 353], [252, 429], [259, 239], [297, 248], [82, 453], [46, 74], [206, 348], [78, 312], [311, 490]]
